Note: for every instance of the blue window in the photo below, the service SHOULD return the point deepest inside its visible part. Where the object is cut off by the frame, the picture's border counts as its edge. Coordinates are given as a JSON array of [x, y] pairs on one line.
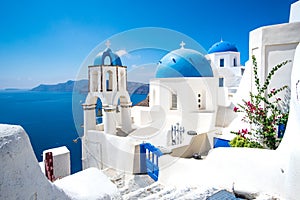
[[221, 82], [222, 62]]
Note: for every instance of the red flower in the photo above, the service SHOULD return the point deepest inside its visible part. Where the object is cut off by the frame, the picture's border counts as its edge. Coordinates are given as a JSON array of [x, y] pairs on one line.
[[235, 109], [244, 132], [249, 104]]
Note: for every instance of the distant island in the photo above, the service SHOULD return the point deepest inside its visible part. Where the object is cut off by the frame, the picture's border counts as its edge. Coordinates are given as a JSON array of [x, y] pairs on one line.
[[82, 87]]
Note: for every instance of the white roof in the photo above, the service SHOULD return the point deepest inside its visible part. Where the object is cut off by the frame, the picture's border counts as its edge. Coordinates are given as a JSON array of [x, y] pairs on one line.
[[57, 151], [88, 184]]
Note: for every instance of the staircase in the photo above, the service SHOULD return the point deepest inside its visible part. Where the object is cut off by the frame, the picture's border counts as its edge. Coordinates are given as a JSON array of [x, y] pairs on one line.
[[143, 187], [159, 191], [133, 187]]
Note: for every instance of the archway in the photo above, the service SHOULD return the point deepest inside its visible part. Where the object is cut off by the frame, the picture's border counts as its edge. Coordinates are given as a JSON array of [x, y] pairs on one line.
[[109, 81], [98, 111], [107, 60]]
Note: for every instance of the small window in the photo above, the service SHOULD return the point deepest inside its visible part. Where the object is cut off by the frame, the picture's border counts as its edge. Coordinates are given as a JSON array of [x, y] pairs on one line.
[[242, 71], [222, 62], [199, 95], [174, 101], [109, 81], [221, 82], [234, 62]]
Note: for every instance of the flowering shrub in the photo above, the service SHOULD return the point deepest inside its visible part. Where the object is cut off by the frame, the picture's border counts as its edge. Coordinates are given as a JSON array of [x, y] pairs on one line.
[[240, 141], [262, 112]]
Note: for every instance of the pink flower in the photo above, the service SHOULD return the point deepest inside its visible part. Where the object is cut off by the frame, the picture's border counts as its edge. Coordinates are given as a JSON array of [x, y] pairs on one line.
[[273, 90], [249, 104], [235, 109], [245, 131]]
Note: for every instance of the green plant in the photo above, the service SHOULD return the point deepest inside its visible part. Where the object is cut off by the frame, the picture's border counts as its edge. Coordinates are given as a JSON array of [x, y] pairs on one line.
[[263, 111], [240, 141]]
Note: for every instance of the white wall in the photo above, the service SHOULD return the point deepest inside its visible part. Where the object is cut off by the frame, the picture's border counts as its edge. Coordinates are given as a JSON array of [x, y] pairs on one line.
[[228, 58], [61, 161], [272, 45], [295, 12], [20, 174], [188, 112], [104, 150]]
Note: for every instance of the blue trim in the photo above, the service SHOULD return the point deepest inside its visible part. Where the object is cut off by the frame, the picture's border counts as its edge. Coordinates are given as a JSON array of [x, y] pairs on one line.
[[218, 142]]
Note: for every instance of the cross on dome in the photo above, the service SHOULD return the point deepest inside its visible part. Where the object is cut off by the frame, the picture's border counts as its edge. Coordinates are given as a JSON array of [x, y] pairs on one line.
[[107, 43], [182, 44]]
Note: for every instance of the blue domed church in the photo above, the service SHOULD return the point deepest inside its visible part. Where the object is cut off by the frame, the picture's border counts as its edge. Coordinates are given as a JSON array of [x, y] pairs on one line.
[[226, 58], [189, 100], [194, 90]]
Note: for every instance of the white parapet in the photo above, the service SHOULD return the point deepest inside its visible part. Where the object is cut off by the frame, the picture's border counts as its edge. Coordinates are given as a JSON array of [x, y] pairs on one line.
[[20, 174], [61, 161], [295, 12]]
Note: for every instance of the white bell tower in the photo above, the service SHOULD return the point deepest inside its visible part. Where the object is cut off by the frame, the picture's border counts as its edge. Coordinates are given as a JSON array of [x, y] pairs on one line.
[[108, 81]]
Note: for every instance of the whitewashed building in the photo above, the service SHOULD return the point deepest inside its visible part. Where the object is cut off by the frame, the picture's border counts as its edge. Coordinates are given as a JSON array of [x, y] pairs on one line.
[[190, 95]]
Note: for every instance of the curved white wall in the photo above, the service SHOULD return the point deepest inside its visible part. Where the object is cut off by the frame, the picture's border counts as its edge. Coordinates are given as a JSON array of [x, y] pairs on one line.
[[20, 174]]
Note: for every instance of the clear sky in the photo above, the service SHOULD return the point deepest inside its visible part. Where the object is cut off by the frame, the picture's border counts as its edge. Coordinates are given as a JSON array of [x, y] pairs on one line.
[[47, 41]]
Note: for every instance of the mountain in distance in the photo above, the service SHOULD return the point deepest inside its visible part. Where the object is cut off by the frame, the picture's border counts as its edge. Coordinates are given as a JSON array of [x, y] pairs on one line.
[[60, 87], [82, 87], [137, 88]]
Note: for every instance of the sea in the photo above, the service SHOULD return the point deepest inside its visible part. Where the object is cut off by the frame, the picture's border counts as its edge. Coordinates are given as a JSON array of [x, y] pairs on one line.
[[51, 119]]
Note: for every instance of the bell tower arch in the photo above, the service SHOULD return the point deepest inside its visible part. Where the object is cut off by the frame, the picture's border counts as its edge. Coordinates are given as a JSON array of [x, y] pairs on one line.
[[108, 81]]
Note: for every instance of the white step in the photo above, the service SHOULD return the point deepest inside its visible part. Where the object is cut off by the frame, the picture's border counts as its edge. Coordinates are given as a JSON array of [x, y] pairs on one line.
[[159, 195], [144, 192], [178, 193], [199, 193]]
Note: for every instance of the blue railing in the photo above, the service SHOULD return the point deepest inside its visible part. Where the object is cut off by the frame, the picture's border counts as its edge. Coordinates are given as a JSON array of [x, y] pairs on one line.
[[149, 155]]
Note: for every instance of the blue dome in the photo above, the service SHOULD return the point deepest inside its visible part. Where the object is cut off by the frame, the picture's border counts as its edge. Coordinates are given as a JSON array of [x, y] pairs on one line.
[[222, 46], [183, 63], [114, 59]]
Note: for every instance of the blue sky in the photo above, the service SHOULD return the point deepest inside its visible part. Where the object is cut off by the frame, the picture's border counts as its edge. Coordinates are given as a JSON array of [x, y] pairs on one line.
[[47, 41]]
